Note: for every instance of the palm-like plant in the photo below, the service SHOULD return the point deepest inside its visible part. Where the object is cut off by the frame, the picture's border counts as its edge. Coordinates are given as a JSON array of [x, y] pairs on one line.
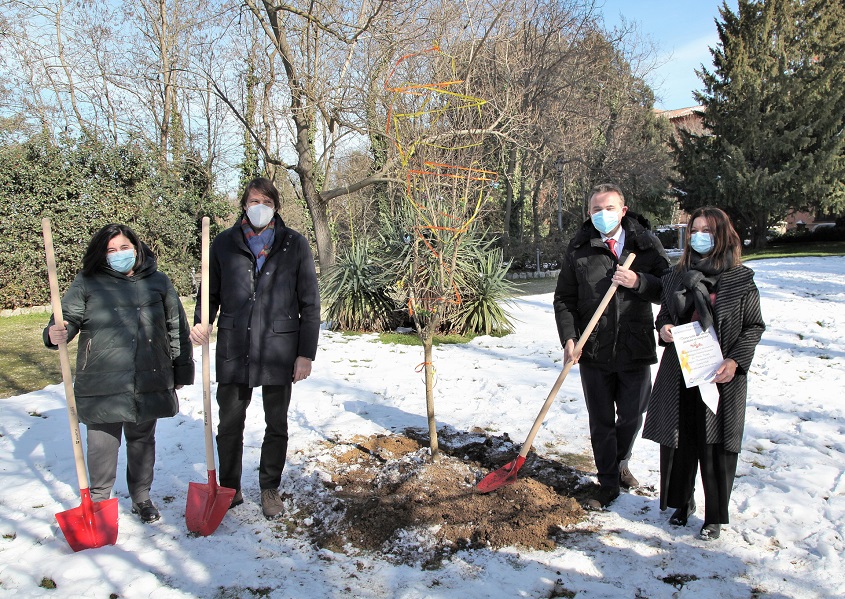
[[355, 292], [485, 292]]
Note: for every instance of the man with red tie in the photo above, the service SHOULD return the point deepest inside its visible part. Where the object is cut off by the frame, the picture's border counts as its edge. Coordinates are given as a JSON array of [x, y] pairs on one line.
[[615, 363]]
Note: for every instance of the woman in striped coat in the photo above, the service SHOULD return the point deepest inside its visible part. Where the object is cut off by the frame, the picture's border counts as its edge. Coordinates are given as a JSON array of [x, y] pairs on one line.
[[710, 285]]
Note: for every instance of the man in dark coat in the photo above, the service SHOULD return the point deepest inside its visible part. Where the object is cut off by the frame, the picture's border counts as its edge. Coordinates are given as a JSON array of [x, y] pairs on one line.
[[264, 284], [616, 360]]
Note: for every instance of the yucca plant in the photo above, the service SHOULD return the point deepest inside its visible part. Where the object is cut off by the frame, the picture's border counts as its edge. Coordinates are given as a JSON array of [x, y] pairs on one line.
[[485, 294], [354, 291]]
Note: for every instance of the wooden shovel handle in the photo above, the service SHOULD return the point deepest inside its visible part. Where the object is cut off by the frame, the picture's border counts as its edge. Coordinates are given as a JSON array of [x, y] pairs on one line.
[[206, 354], [526, 447], [64, 359]]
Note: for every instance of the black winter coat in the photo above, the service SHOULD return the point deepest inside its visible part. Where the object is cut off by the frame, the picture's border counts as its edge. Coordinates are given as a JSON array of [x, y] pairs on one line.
[[134, 345], [739, 326], [624, 336], [266, 319]]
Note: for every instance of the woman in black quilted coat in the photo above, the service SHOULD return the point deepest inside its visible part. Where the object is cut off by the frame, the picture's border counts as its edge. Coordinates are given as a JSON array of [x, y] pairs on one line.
[[710, 285], [134, 351]]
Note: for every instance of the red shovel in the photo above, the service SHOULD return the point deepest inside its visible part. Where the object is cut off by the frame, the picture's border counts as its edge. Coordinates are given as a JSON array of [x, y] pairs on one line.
[[92, 524], [506, 475], [207, 502]]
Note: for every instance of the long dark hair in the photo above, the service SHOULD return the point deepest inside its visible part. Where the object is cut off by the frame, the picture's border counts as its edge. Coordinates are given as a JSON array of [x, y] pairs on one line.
[[95, 260], [264, 187], [727, 247]]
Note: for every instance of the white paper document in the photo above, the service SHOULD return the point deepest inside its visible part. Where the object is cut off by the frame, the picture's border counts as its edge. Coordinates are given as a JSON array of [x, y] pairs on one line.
[[700, 357]]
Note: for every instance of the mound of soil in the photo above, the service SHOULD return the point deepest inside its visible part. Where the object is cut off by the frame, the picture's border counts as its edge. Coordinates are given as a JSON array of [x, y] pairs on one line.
[[384, 493]]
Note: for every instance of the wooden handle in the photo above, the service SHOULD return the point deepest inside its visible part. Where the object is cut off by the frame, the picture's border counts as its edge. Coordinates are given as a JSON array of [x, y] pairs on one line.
[[64, 359], [206, 354], [526, 447]]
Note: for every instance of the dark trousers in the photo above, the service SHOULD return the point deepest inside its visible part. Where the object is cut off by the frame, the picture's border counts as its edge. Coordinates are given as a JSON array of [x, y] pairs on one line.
[[678, 467], [616, 402], [233, 400], [103, 445]]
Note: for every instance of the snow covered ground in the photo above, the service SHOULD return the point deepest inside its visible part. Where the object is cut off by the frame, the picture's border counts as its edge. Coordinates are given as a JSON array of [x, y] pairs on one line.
[[786, 538]]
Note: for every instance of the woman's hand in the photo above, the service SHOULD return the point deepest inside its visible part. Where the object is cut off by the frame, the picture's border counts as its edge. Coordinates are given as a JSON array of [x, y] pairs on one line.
[[726, 371], [666, 333], [58, 334], [301, 369], [199, 335]]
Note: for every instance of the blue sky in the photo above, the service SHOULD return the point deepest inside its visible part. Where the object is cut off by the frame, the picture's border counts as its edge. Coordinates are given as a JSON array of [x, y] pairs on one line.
[[682, 30]]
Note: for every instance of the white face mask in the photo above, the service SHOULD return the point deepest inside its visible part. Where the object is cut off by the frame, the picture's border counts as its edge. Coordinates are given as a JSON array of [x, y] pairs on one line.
[[259, 215]]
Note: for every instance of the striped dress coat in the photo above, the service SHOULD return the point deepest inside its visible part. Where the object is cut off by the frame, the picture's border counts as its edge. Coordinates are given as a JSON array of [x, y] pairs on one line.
[[739, 326]]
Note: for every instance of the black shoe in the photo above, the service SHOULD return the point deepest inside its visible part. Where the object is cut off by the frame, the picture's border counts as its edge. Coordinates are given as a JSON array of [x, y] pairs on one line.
[[147, 510], [710, 532], [603, 498], [237, 499], [681, 515]]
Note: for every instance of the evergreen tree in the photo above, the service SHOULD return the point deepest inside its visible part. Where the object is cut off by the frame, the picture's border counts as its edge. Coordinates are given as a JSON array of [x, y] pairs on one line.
[[775, 112]]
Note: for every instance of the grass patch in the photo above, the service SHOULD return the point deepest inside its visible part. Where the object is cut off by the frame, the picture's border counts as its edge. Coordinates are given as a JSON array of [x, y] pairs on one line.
[[796, 250], [413, 339], [534, 286], [26, 364]]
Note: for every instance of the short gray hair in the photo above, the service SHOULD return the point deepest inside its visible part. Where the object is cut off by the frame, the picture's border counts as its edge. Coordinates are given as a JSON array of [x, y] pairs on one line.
[[606, 187]]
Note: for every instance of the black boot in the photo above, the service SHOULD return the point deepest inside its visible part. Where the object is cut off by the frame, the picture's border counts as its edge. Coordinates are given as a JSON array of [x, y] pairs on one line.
[[682, 514], [147, 511], [710, 532]]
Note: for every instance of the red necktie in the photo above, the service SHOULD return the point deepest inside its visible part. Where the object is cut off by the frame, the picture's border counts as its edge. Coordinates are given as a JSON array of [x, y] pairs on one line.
[[611, 243]]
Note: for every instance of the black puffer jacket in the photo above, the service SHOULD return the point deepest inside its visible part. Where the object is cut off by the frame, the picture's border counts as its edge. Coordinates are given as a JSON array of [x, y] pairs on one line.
[[266, 319], [624, 336], [134, 344]]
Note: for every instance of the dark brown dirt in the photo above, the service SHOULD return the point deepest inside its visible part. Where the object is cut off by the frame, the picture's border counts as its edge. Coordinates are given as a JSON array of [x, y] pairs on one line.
[[384, 493]]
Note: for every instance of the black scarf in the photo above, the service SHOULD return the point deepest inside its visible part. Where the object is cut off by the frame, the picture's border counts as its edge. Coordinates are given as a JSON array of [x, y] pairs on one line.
[[697, 284]]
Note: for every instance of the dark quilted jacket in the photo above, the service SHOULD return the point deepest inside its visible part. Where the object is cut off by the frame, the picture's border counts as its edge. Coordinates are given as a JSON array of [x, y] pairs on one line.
[[134, 345]]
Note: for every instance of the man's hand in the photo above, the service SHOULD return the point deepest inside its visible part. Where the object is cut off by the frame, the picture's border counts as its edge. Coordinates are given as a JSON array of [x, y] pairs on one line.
[[568, 350], [199, 335], [58, 334], [625, 277], [301, 369]]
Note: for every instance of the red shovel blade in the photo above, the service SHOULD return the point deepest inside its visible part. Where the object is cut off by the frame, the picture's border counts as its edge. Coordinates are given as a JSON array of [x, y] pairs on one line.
[[505, 475], [207, 505], [92, 524]]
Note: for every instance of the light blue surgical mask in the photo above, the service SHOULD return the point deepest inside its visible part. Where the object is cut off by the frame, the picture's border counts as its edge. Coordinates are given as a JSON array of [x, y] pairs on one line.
[[121, 261], [701, 242], [605, 221]]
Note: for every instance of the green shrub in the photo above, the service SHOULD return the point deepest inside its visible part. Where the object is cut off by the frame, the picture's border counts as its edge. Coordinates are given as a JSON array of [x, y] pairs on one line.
[[355, 292], [485, 293]]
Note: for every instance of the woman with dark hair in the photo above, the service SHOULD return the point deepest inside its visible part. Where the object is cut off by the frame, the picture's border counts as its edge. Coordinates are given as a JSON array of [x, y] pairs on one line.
[[709, 285], [134, 351], [263, 294]]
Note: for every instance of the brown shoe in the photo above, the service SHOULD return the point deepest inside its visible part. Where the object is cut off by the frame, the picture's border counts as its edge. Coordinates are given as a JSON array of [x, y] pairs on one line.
[[271, 503], [603, 498], [627, 480]]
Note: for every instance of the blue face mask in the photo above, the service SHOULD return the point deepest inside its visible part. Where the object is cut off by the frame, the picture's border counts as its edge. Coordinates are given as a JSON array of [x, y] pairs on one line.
[[605, 221], [701, 242], [122, 261]]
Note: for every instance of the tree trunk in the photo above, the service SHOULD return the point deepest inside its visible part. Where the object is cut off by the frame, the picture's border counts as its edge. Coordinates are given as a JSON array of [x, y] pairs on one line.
[[429, 394], [307, 177], [509, 175]]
